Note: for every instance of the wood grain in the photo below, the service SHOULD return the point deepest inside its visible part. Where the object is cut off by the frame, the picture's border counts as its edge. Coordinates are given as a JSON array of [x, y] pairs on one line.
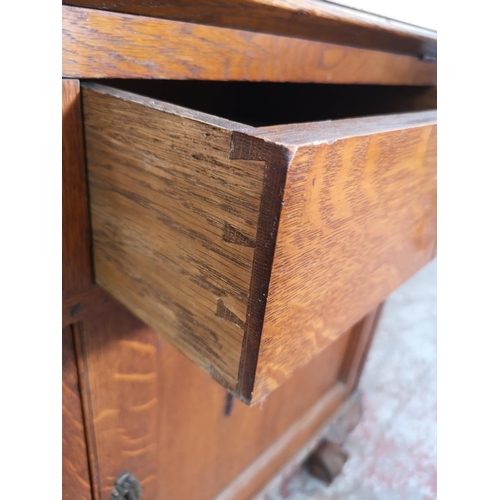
[[361, 338], [252, 249], [75, 472], [100, 44], [344, 421], [306, 19], [76, 270], [159, 416], [158, 167], [298, 438], [120, 383], [358, 219]]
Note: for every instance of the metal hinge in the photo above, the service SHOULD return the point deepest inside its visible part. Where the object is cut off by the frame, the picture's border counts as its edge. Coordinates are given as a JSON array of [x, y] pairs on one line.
[[127, 487]]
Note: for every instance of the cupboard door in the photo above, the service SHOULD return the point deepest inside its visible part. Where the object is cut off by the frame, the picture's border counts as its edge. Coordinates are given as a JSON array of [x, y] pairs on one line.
[[157, 415]]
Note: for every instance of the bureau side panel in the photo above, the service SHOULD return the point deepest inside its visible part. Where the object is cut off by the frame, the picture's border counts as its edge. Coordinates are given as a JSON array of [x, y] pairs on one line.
[[99, 44], [76, 261], [302, 19], [75, 470]]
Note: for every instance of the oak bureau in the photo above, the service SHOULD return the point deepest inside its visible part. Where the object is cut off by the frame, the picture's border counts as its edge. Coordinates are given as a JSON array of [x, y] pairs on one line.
[[244, 184]]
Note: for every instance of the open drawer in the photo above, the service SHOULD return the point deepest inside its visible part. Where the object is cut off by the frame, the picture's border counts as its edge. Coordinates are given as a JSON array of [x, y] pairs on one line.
[[251, 249]]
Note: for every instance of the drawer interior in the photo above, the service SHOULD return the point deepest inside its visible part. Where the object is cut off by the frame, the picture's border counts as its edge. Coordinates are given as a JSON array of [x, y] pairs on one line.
[[268, 104]]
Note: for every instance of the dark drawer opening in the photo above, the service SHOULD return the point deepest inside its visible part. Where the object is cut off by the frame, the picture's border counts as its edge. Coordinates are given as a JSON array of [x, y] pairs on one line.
[[266, 104]]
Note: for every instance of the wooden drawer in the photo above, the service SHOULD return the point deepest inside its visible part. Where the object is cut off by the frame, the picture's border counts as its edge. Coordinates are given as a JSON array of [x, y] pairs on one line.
[[252, 248]]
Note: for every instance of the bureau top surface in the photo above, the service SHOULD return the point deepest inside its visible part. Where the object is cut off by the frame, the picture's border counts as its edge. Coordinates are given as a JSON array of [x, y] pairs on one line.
[[319, 20]]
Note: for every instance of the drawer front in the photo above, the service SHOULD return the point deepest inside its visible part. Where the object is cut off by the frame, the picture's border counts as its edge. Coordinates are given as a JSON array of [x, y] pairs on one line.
[[252, 249], [358, 219]]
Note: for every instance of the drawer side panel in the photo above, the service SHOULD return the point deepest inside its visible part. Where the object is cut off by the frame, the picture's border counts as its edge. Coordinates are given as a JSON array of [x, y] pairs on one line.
[[173, 224]]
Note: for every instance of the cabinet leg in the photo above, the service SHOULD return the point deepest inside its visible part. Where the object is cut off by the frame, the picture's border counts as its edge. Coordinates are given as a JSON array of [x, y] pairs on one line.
[[326, 461]]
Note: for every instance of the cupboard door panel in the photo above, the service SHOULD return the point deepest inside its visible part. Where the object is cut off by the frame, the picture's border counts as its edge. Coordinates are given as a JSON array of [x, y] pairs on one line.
[[157, 415]]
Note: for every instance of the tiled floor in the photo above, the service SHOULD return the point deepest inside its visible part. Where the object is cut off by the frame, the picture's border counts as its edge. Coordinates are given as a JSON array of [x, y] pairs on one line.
[[392, 451]]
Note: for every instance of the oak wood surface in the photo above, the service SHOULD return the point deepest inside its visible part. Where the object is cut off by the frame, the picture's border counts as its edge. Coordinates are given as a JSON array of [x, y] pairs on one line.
[[327, 132], [189, 276], [337, 429], [186, 208], [344, 421], [77, 269], [309, 19], [83, 304], [308, 428], [360, 342], [349, 233], [156, 414], [306, 432], [99, 44], [75, 472]]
